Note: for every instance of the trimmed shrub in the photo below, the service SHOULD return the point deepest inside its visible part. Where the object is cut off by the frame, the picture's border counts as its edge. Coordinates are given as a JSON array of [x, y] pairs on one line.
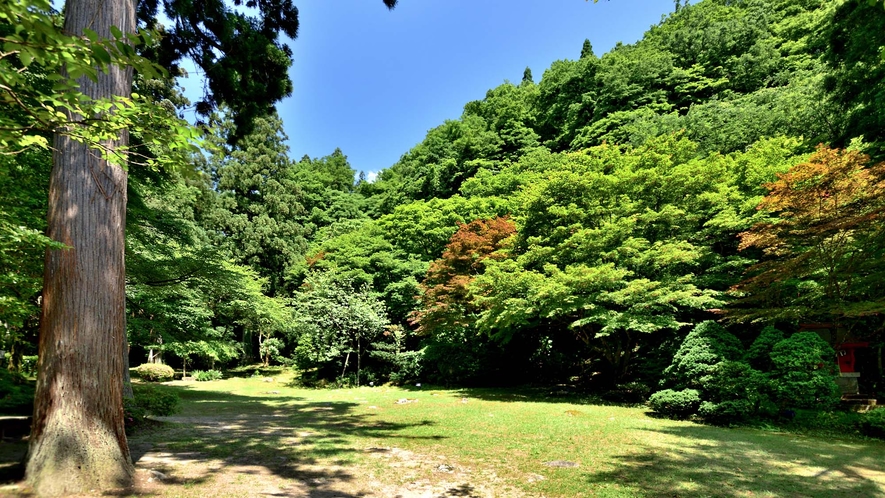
[[836, 422], [736, 379], [726, 412], [675, 403], [704, 347], [206, 375], [804, 372], [154, 372]]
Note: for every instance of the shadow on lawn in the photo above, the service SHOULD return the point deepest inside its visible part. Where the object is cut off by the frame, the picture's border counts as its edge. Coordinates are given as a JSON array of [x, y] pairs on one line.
[[548, 394], [307, 443], [732, 463]]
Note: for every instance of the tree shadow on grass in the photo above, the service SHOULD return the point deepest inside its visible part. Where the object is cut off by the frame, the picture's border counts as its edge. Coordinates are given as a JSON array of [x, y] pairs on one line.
[[293, 446], [532, 394], [710, 461]]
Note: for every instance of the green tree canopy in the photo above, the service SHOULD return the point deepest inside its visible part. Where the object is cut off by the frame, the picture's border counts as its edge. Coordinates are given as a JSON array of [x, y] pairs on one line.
[[259, 215]]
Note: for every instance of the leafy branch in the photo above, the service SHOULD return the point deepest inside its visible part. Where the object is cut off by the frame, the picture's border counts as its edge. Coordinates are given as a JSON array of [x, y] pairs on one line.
[[40, 70]]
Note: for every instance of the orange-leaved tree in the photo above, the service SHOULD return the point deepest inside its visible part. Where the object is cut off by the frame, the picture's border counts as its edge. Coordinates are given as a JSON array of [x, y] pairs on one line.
[[823, 249]]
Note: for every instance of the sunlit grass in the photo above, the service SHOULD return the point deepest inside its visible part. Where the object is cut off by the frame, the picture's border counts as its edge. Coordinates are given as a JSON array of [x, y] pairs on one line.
[[502, 440]]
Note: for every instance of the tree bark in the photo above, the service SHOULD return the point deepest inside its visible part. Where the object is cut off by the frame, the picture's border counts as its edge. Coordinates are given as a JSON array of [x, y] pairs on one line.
[[78, 442]]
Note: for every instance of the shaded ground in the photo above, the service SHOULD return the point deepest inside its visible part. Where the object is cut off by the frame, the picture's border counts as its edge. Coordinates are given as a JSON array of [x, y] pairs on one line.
[[229, 445], [246, 438], [275, 459]]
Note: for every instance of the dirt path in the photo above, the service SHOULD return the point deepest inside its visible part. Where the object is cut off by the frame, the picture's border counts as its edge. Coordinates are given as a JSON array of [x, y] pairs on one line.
[[228, 465], [252, 471]]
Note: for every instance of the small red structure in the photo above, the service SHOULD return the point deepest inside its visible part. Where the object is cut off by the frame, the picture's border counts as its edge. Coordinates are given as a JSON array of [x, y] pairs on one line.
[[845, 355]]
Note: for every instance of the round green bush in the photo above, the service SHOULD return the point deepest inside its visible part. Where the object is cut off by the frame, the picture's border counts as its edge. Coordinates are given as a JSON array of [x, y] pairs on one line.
[[804, 372], [155, 372], [675, 403], [703, 349]]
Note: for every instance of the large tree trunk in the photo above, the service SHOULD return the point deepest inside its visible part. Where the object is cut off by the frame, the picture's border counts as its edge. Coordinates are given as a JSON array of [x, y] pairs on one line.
[[78, 442]]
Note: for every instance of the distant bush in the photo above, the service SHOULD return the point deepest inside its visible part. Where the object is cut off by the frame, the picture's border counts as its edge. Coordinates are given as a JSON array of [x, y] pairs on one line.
[[206, 375], [271, 349], [675, 403], [872, 423], [155, 401], [401, 364], [154, 372]]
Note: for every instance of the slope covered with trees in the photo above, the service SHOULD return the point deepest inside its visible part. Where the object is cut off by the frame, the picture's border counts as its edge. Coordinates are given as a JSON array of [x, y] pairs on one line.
[[572, 228]]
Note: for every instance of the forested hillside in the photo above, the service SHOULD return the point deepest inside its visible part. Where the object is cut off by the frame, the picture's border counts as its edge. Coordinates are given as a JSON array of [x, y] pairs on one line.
[[581, 229]]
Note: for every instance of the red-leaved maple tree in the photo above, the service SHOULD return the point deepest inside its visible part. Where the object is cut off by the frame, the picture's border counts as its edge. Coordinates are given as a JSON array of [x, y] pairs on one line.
[[446, 294]]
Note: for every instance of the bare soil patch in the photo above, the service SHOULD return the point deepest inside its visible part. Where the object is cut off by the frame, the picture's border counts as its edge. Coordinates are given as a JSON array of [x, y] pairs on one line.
[[395, 473]]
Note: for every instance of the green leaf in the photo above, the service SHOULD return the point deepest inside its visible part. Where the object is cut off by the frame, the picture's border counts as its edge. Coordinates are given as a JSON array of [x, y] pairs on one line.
[[37, 140], [75, 73], [91, 35], [11, 47], [116, 32], [101, 54], [26, 58]]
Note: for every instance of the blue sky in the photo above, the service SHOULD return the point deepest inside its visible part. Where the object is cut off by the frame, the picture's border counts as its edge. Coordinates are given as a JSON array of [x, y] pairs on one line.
[[372, 81]]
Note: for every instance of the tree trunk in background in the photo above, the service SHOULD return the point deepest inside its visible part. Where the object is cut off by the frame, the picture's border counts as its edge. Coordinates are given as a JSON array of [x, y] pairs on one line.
[[78, 442], [127, 379]]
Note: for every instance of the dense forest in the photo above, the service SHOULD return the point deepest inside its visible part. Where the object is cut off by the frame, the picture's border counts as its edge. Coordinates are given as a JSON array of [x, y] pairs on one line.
[[700, 211]]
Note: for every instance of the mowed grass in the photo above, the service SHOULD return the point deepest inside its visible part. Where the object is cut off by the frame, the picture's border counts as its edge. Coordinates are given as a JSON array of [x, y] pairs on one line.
[[485, 442]]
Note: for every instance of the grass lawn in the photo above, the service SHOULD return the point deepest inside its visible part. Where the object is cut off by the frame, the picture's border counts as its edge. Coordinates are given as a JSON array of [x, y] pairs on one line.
[[248, 437]]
